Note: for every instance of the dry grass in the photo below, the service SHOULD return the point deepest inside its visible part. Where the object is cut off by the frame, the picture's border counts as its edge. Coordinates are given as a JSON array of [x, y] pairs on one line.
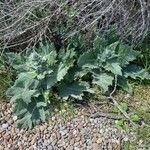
[[24, 22]]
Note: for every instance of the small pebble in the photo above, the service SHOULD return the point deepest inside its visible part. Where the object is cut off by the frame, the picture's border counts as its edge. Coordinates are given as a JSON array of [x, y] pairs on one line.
[[5, 126], [77, 134]]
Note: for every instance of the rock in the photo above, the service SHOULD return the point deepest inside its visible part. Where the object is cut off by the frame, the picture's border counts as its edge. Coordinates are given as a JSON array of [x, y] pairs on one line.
[[19, 143], [4, 107], [34, 146], [53, 118], [34, 139], [5, 126], [53, 136], [45, 132], [101, 131], [49, 147], [99, 141], [14, 118], [63, 132], [54, 142], [89, 142], [7, 137], [70, 148], [95, 146], [126, 139], [76, 144], [72, 141], [75, 132], [9, 128], [76, 148], [62, 128], [45, 143], [77, 139], [9, 146], [66, 144], [31, 148], [10, 141], [42, 128], [50, 128], [58, 135]]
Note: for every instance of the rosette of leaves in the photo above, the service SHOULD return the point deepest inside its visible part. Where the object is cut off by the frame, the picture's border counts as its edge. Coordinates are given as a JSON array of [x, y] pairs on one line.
[[40, 71], [107, 61]]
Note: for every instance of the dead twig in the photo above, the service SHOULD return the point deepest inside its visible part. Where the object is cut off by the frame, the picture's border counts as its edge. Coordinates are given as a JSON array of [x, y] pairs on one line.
[[117, 105], [105, 115], [26, 17]]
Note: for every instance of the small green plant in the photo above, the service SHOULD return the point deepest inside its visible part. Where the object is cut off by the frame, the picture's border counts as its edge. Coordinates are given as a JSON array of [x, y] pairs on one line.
[[144, 47], [43, 72], [124, 107], [2, 64], [40, 73], [5, 78], [107, 61], [123, 124]]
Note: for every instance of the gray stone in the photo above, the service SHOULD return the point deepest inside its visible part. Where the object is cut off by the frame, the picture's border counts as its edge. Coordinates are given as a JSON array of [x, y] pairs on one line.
[[34, 146], [54, 142], [64, 132], [50, 128], [76, 148], [49, 147], [72, 141], [19, 143], [62, 128], [95, 146], [5, 126], [9, 145], [70, 148], [76, 144], [45, 143], [88, 142]]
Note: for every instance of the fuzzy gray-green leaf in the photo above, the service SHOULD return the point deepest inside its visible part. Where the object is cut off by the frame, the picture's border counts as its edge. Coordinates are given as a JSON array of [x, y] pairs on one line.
[[74, 89], [135, 72], [103, 80], [124, 84]]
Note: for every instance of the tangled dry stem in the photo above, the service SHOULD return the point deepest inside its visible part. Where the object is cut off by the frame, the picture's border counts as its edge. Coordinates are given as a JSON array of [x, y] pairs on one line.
[[19, 24]]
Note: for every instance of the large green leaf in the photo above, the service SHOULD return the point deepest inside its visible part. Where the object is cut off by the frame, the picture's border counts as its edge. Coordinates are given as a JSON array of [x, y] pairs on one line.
[[31, 114], [103, 80], [50, 58], [16, 60], [114, 46], [68, 56], [126, 54], [135, 72], [49, 81], [66, 64], [25, 121], [24, 88], [74, 90], [46, 49], [88, 60], [99, 43], [113, 66], [62, 71], [124, 84]]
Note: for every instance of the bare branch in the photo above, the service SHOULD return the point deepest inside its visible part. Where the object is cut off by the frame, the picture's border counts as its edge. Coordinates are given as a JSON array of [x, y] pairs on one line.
[[34, 17]]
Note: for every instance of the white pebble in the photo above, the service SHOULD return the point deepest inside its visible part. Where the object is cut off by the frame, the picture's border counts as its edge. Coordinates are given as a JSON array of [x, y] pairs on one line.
[[14, 118], [5, 126]]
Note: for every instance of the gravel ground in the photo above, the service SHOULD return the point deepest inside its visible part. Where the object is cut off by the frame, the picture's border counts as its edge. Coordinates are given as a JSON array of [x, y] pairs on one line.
[[80, 133]]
